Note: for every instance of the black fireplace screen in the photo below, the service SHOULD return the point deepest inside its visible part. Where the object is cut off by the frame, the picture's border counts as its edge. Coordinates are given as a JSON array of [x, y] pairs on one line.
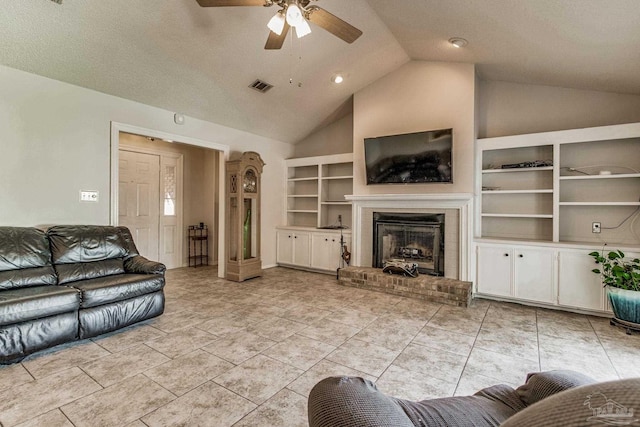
[[412, 237]]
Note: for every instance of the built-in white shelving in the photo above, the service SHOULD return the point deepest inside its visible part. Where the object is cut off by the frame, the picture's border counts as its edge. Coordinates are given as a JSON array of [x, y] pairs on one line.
[[594, 177], [316, 187]]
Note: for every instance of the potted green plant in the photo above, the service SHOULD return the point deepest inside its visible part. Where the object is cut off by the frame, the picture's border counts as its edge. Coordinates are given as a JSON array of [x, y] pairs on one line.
[[621, 277]]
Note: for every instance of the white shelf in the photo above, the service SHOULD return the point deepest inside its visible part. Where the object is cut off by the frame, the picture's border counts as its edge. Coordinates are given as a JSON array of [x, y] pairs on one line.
[[302, 211], [612, 176], [310, 196], [338, 177], [599, 203], [541, 168], [335, 203], [506, 215], [313, 178], [546, 191]]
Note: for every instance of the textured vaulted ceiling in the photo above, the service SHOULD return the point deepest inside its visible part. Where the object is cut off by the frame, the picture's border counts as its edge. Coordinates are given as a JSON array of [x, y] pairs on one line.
[[199, 61]]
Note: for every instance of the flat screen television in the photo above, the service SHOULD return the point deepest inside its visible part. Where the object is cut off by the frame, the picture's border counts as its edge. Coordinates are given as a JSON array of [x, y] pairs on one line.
[[410, 158]]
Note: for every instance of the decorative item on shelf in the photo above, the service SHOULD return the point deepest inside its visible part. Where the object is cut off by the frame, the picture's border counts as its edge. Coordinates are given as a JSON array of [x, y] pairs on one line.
[[621, 277], [532, 164], [243, 190]]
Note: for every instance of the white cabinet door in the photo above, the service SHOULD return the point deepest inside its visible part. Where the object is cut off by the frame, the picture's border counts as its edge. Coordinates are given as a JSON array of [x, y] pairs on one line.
[[284, 241], [494, 271], [577, 286], [301, 249], [534, 274], [322, 253]]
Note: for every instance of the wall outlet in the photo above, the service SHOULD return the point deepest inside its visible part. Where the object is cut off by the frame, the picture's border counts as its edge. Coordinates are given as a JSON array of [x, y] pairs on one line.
[[596, 227], [88, 196]]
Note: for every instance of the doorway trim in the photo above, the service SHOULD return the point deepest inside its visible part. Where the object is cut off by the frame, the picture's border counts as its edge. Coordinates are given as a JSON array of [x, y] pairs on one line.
[[117, 127]]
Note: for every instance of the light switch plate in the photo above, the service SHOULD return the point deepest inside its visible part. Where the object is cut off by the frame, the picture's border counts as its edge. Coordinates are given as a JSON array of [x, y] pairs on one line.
[[88, 195]]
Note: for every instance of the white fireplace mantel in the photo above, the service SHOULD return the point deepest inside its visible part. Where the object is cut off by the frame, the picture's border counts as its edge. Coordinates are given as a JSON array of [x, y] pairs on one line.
[[462, 202]]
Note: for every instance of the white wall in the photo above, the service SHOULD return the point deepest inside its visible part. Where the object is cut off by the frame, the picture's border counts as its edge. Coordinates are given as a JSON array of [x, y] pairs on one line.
[[513, 108], [416, 97], [55, 141], [336, 138]]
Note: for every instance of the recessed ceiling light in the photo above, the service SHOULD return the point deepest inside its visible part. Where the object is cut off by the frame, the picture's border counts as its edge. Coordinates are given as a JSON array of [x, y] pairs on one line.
[[458, 42], [337, 79]]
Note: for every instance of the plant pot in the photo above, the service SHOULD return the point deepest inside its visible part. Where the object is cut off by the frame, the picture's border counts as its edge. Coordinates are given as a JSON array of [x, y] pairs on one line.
[[625, 305]]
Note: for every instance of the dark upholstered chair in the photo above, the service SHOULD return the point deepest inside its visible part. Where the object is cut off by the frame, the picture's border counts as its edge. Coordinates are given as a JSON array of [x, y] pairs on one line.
[[554, 398]]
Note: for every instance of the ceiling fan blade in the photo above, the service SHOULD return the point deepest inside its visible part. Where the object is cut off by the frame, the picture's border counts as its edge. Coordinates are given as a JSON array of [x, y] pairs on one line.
[[333, 24], [220, 3], [276, 41]]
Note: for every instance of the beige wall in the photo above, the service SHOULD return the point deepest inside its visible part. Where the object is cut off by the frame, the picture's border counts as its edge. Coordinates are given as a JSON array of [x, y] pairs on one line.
[[200, 175], [55, 141], [337, 138], [513, 108], [418, 96]]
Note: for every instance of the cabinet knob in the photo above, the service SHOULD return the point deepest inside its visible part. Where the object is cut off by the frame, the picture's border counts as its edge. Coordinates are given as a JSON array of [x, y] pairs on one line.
[[295, 237], [289, 235], [333, 240], [326, 240], [506, 254], [521, 256]]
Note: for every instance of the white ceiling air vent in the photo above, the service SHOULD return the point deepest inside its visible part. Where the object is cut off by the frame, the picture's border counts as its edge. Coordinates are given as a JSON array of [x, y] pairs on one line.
[[260, 86]]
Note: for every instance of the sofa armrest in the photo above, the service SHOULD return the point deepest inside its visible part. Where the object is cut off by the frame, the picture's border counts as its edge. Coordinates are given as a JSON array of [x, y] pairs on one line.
[[141, 265], [541, 385], [599, 404]]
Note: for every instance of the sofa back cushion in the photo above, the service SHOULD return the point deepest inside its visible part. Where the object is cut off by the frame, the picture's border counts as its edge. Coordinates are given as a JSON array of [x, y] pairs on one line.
[[25, 258], [87, 251]]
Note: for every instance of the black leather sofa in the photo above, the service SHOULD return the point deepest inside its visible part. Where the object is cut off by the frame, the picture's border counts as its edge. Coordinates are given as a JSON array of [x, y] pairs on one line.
[[69, 283]]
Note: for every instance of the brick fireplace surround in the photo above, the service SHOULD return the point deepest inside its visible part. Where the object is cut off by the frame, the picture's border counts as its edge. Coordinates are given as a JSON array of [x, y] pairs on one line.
[[454, 288]]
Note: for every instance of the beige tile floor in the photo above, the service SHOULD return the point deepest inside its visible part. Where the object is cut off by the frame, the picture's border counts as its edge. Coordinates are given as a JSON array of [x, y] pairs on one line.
[[247, 354]]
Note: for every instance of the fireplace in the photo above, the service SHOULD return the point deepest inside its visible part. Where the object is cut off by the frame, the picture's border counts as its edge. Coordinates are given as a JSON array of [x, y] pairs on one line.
[[414, 237]]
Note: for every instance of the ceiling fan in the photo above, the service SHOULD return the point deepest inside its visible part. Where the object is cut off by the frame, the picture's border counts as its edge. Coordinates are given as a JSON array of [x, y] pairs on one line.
[[294, 13]]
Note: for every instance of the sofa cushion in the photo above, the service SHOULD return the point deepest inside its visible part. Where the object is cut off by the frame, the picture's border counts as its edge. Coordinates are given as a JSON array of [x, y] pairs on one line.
[[110, 289], [20, 305], [25, 258], [599, 404], [87, 251], [488, 407]]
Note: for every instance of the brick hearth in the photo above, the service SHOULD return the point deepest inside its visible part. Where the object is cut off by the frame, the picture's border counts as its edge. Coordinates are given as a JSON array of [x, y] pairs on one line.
[[429, 288]]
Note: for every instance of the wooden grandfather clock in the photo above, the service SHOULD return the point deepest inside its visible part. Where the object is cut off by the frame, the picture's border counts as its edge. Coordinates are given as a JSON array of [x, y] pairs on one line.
[[243, 217]]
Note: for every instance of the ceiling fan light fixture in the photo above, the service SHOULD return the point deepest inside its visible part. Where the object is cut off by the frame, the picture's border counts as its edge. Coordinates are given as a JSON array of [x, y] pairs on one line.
[[294, 14], [302, 29], [276, 24]]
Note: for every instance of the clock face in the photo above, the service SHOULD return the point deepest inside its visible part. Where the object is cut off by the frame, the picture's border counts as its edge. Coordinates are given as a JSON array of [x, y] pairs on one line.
[[250, 182]]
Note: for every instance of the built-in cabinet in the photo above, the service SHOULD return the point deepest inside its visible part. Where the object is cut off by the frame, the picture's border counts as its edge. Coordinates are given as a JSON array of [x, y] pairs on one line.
[[581, 288], [516, 272], [316, 209], [311, 249], [539, 199], [293, 247]]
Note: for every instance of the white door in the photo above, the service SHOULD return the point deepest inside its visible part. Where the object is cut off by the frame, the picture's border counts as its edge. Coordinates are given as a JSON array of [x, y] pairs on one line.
[[302, 249], [170, 212], [578, 286], [533, 275], [139, 195], [284, 253], [494, 271]]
